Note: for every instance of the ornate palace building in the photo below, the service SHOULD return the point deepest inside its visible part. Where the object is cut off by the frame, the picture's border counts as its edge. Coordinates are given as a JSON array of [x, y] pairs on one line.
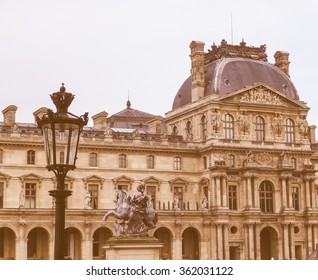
[[231, 168]]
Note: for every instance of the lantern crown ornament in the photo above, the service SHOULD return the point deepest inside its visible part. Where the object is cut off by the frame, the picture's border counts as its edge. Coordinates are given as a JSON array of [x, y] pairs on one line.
[[61, 131]]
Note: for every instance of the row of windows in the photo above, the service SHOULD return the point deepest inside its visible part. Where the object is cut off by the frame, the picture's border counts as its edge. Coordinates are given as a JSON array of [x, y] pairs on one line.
[[266, 196], [228, 126], [122, 160]]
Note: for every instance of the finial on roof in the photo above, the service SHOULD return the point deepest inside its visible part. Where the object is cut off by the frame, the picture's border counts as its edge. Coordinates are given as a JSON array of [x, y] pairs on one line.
[[128, 104], [62, 88]]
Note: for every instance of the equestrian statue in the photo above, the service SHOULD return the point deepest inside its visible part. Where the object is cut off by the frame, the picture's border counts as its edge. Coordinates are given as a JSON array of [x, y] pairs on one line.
[[135, 212]]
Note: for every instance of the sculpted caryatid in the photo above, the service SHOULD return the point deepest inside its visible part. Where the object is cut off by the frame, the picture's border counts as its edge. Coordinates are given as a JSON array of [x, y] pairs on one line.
[[135, 212]]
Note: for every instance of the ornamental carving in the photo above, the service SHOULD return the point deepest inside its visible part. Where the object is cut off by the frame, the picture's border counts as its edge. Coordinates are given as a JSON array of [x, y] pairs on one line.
[[254, 159], [261, 95]]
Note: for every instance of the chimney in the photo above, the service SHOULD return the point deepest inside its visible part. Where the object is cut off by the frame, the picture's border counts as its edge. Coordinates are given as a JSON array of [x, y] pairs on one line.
[[9, 115], [197, 70], [100, 120], [40, 113], [282, 62]]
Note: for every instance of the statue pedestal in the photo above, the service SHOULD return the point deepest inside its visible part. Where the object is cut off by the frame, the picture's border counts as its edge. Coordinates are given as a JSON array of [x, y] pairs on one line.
[[133, 248]]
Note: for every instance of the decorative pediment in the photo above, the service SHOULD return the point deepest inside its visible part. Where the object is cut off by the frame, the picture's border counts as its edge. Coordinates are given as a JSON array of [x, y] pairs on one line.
[[204, 182], [93, 179], [68, 180], [178, 181], [261, 94], [5, 177], [123, 180], [152, 179], [31, 177]]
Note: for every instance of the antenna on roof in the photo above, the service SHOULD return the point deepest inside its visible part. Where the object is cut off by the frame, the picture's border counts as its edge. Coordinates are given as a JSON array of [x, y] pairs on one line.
[[231, 29]]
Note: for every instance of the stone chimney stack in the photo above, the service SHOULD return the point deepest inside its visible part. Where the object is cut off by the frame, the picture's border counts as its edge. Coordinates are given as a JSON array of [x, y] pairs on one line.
[[197, 70], [9, 115], [282, 62], [100, 120], [40, 112]]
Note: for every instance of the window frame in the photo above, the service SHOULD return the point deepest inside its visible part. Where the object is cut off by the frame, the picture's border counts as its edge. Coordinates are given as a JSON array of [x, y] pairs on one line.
[[233, 197], [260, 128], [228, 125], [177, 163], [266, 197], [150, 162], [93, 159], [30, 191], [122, 160], [30, 157], [290, 130]]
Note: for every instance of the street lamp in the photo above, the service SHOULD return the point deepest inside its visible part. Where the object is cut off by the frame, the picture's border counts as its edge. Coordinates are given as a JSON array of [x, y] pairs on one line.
[[61, 132]]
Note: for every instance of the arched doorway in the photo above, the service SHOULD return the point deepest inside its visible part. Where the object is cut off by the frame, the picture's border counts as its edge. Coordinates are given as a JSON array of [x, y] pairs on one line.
[[7, 243], [269, 244], [100, 237], [190, 244], [72, 241], [38, 244], [164, 235]]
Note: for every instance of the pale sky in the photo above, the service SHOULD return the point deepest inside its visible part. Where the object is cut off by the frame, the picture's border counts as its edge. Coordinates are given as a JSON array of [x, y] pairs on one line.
[[105, 50]]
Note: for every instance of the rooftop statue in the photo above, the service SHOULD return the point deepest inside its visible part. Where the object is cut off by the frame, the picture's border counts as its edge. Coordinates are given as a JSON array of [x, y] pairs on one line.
[[135, 212]]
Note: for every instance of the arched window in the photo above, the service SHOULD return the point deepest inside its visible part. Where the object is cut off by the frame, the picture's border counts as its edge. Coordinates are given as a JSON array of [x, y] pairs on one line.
[[266, 197], [122, 161], [189, 130], [203, 128], [228, 126], [290, 130], [174, 130], [260, 128]]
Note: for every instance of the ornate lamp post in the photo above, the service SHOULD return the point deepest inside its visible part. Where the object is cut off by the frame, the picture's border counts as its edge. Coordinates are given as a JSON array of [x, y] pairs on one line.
[[61, 132]]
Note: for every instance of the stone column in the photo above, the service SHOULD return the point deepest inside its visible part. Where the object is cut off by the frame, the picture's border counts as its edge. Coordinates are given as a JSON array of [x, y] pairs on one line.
[[292, 241], [249, 191], [285, 241], [177, 242], [205, 241], [246, 241], [224, 192], [87, 249], [214, 242], [309, 239], [21, 244], [218, 191], [212, 193], [256, 195], [219, 241], [307, 188], [226, 241], [251, 254], [312, 191], [283, 192], [257, 239]]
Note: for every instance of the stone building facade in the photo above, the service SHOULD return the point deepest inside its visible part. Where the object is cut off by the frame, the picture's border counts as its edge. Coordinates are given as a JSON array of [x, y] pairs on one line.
[[230, 168]]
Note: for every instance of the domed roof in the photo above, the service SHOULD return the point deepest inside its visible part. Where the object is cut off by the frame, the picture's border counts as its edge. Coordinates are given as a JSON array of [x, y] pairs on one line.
[[228, 74]]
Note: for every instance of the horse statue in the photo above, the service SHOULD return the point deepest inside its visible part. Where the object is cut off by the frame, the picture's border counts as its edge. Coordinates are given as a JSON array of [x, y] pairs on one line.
[[135, 212]]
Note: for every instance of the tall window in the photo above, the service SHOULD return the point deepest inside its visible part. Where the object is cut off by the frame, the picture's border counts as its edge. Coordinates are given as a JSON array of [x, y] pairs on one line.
[[177, 163], [295, 198], [1, 156], [266, 196], [1, 194], [151, 190], [62, 157], [260, 128], [205, 162], [228, 126], [204, 128], [122, 161], [231, 161], [189, 131], [290, 130], [150, 162], [232, 197], [30, 195], [92, 159], [30, 157], [93, 190]]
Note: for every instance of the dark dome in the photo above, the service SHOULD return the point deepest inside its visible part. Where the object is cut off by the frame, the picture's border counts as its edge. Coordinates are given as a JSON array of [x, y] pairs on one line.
[[226, 75]]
